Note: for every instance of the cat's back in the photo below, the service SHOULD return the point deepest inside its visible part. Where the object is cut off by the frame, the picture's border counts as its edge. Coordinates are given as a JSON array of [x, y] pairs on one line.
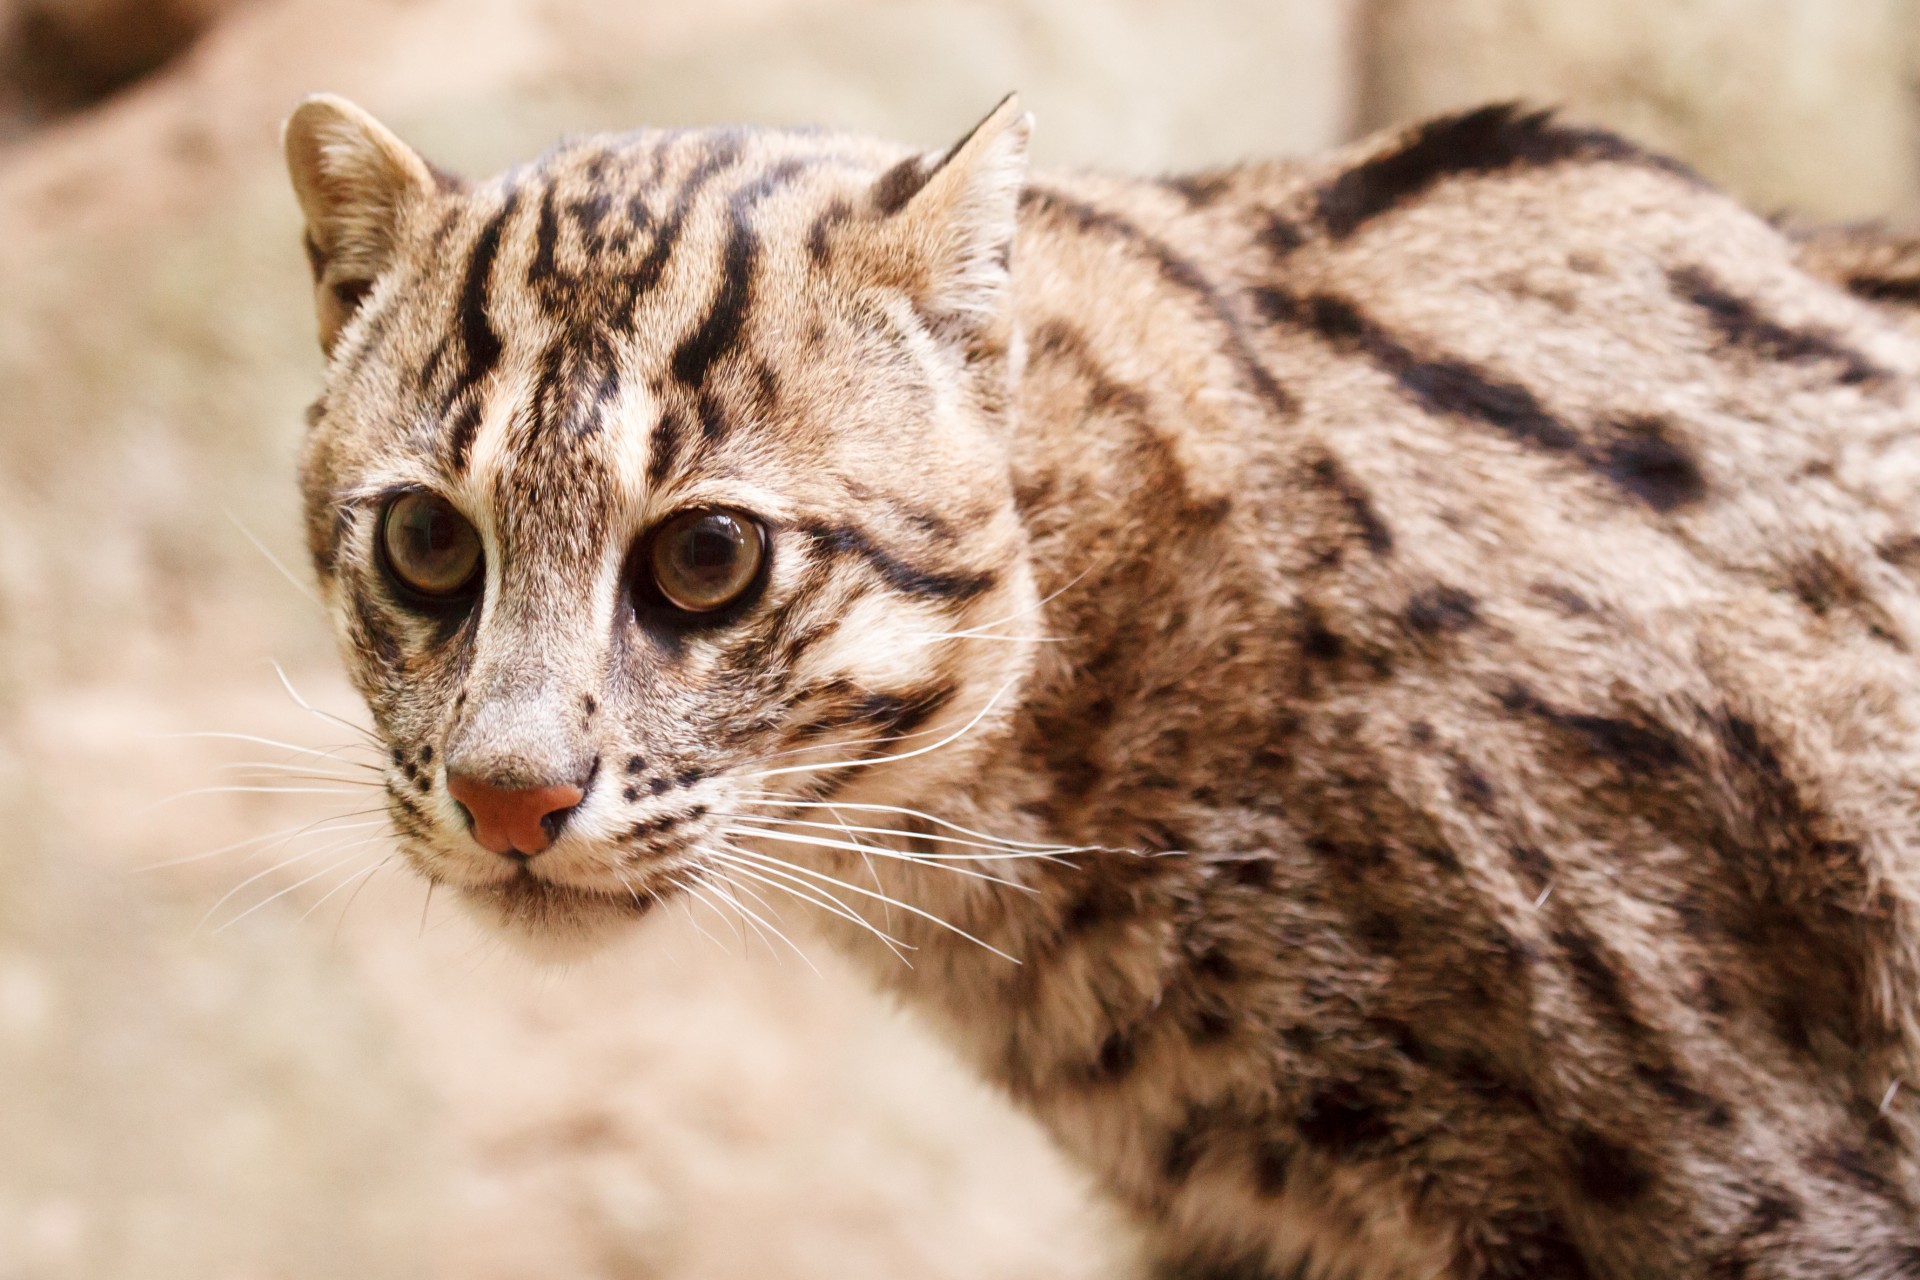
[[1552, 529]]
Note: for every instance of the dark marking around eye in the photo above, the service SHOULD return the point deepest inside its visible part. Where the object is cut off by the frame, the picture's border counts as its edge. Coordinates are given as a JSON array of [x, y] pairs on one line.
[[1742, 326], [1492, 139], [668, 436], [845, 540]]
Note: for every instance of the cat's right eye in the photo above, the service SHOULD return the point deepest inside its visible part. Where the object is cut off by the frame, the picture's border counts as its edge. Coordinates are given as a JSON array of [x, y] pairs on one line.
[[428, 548]]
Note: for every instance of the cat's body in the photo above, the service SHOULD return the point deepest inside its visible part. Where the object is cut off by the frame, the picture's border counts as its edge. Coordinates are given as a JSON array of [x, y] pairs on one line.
[[1464, 587]]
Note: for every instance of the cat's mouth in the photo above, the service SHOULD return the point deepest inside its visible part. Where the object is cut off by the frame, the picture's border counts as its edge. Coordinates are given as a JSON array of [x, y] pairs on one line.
[[549, 912]]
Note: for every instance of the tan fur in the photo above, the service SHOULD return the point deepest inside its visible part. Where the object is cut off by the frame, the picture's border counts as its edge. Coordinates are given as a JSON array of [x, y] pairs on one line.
[[1455, 599]]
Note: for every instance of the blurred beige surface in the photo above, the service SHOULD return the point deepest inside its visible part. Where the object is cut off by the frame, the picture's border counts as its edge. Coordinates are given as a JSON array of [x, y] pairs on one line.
[[336, 1078]]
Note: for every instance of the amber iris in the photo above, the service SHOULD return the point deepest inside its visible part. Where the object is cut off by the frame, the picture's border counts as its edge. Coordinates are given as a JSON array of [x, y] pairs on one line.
[[430, 548], [706, 559]]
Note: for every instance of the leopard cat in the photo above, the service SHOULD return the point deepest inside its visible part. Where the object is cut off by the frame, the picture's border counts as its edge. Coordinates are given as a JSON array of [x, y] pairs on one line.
[[1374, 695]]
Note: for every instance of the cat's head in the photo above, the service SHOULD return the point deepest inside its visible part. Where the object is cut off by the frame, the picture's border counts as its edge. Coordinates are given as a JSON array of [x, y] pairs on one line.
[[655, 488]]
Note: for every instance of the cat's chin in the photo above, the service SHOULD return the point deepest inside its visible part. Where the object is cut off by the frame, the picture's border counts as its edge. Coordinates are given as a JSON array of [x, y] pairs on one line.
[[551, 924]]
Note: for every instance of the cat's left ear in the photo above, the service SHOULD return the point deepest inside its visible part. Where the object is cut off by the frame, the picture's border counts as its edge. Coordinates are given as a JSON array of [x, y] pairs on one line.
[[947, 219], [355, 182]]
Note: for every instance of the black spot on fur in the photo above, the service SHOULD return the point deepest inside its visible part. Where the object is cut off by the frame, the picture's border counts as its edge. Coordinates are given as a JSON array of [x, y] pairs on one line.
[[1329, 474], [1225, 1265], [1899, 291], [1472, 785], [1200, 189], [1605, 1172], [1281, 237], [1533, 1246], [1272, 1164], [1646, 461], [1742, 326], [1441, 386], [819, 246], [1439, 610], [901, 183], [1493, 139], [1342, 1121], [1117, 1057], [1598, 974], [1316, 640], [1665, 1080], [1639, 750]]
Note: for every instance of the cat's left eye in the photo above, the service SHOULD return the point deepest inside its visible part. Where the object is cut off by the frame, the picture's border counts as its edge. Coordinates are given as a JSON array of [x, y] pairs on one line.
[[703, 560], [428, 547]]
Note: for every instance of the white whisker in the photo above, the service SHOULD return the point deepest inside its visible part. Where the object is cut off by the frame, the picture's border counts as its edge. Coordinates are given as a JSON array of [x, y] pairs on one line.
[[939, 863], [333, 752], [771, 798], [257, 876], [281, 893], [1046, 855], [753, 915], [951, 738], [289, 833], [358, 875], [766, 861], [304, 705], [274, 560], [798, 888]]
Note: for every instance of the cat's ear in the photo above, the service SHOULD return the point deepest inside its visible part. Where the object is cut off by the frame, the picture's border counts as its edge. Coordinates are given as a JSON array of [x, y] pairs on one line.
[[354, 180], [947, 218]]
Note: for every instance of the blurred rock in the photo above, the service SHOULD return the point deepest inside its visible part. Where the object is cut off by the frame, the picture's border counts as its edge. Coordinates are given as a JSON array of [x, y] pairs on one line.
[[1803, 104], [57, 56]]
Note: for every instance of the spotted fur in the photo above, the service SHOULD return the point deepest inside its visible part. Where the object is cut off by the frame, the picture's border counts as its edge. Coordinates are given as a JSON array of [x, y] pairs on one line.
[[1459, 596]]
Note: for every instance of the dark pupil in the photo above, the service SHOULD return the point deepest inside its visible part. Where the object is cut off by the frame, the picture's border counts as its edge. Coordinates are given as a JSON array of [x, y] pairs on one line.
[[709, 550]]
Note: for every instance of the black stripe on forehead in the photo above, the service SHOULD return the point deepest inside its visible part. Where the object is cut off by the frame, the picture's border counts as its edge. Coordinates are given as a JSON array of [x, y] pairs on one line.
[[717, 334], [477, 334]]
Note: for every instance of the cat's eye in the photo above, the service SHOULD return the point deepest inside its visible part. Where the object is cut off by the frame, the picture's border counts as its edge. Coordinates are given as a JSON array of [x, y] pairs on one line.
[[703, 560], [429, 548]]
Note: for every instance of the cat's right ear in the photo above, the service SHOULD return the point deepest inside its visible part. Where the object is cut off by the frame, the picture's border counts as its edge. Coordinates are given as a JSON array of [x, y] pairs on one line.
[[354, 180]]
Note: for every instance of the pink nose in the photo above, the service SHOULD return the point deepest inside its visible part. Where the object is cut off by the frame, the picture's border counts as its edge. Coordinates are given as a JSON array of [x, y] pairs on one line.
[[508, 820]]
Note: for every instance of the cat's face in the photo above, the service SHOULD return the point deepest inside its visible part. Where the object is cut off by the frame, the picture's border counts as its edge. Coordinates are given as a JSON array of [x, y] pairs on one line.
[[652, 487]]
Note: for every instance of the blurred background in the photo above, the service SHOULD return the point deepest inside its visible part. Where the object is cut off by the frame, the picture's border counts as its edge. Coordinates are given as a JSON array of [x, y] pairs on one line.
[[216, 1066]]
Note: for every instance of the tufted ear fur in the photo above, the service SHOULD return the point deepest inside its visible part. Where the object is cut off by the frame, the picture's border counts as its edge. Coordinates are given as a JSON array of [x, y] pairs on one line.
[[946, 220], [354, 180]]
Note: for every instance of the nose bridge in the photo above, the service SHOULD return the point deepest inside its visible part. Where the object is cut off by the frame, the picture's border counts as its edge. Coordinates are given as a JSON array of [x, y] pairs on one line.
[[532, 699]]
